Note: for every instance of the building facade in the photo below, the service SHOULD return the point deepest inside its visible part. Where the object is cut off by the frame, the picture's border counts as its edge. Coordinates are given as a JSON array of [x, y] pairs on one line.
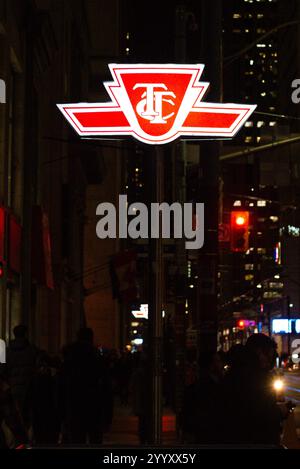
[[43, 61]]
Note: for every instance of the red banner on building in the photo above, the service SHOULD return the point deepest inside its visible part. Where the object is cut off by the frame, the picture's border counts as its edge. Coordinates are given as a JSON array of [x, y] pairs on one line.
[[2, 233], [124, 276], [224, 233], [15, 237], [41, 249]]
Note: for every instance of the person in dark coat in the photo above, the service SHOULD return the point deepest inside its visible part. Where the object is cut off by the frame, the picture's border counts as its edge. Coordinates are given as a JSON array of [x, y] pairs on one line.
[[141, 396], [21, 364], [248, 409], [9, 415], [199, 417], [46, 416], [82, 384]]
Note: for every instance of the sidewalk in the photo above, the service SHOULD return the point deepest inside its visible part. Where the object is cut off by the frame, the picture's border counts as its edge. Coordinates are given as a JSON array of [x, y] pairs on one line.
[[124, 430]]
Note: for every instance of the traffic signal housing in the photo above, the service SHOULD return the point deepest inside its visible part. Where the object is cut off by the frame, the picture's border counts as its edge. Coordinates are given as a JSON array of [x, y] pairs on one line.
[[239, 239]]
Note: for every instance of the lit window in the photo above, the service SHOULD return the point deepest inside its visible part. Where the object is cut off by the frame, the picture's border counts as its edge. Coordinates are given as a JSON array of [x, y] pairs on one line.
[[249, 124], [189, 269], [261, 203], [248, 139], [237, 16], [237, 203], [276, 285], [260, 124]]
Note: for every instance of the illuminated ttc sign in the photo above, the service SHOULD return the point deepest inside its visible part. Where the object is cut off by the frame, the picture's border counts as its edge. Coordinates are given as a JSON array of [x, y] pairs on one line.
[[156, 104]]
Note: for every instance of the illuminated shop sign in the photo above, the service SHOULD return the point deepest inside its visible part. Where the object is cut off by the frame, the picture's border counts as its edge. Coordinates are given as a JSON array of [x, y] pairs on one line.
[[277, 253], [290, 230], [2, 92], [285, 326], [156, 104], [141, 313], [281, 326]]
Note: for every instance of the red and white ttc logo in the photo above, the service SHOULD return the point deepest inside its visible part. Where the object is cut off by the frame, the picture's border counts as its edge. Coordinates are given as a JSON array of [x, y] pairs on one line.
[[156, 104]]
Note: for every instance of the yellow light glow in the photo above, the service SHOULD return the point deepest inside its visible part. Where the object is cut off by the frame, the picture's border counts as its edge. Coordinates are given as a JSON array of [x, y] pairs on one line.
[[240, 220], [278, 384]]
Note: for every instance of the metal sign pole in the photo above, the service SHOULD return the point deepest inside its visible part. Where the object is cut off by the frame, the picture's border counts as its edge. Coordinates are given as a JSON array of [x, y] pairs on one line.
[[155, 305]]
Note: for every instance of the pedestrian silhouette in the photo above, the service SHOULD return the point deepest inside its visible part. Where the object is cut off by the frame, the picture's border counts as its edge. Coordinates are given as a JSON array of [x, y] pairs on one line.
[[21, 363], [12, 430], [249, 413], [199, 417], [82, 384], [46, 412]]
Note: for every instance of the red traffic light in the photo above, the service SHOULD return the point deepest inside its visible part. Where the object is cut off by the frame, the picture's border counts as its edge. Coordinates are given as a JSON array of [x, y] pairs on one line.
[[239, 227], [1, 269], [240, 220], [243, 323]]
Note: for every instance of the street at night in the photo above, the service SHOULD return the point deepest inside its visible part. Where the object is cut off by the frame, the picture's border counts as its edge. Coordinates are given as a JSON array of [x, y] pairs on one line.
[[292, 381], [149, 228], [292, 393]]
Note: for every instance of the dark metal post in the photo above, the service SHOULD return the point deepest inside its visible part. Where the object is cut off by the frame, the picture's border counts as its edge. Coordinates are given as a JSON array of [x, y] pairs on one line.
[[179, 160], [211, 27], [288, 308], [155, 305]]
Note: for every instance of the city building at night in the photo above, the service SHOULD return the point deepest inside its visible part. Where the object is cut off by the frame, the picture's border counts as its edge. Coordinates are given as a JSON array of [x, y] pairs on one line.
[[132, 334], [260, 44]]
